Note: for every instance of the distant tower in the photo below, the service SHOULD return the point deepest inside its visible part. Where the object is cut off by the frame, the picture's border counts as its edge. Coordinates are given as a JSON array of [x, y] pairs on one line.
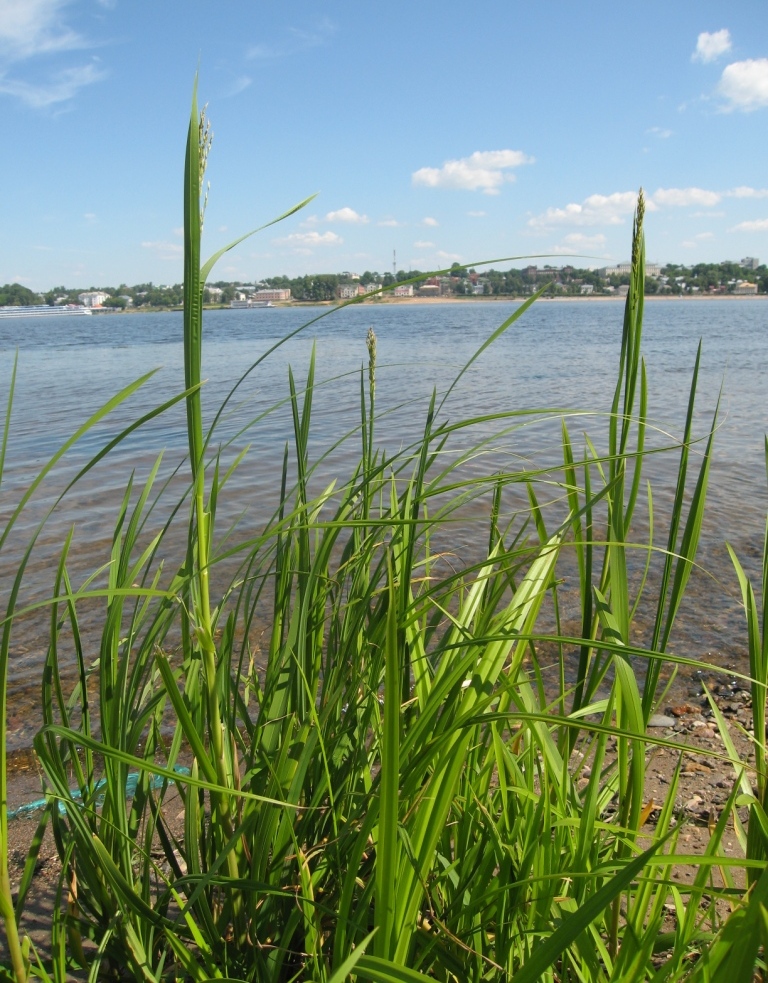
[[394, 263]]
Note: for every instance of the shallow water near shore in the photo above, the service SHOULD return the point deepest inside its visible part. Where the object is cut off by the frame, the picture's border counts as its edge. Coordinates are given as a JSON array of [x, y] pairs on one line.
[[559, 356]]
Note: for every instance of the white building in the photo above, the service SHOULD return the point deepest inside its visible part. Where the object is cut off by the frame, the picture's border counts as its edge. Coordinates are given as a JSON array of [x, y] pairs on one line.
[[92, 298], [750, 262], [624, 269], [346, 291], [273, 293], [403, 290]]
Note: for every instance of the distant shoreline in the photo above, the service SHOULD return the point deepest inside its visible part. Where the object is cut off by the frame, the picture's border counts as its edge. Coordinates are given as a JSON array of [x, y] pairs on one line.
[[425, 301]]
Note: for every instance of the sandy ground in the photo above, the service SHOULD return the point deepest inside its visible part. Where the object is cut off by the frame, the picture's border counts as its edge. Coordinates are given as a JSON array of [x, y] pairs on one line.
[[706, 781]]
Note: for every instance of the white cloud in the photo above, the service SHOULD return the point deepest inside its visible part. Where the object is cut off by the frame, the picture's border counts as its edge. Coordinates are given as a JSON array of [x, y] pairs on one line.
[[312, 239], [660, 133], [390, 223], [34, 27], [594, 210], [745, 192], [686, 196], [709, 47], [348, 215], [165, 250], [755, 225], [59, 88], [484, 170], [745, 84], [477, 214], [431, 222], [424, 245], [448, 257]]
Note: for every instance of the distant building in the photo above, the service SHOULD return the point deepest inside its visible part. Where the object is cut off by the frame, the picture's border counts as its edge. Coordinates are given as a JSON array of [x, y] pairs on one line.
[[744, 288], [92, 298], [750, 262], [215, 292], [403, 290], [624, 269], [429, 290], [346, 291], [273, 293], [368, 288], [587, 288]]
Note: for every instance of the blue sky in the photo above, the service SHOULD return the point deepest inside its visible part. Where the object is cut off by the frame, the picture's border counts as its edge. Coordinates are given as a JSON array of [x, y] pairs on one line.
[[445, 131]]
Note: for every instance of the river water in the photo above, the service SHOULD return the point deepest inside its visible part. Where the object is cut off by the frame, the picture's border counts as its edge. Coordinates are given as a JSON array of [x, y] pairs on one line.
[[560, 356]]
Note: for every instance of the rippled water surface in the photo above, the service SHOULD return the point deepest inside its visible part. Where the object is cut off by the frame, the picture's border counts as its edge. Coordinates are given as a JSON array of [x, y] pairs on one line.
[[560, 355]]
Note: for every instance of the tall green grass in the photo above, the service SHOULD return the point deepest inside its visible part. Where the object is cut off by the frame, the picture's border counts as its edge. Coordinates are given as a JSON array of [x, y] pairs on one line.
[[395, 788]]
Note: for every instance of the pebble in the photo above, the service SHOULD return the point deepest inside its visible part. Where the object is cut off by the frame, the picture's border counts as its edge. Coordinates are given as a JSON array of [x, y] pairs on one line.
[[660, 720]]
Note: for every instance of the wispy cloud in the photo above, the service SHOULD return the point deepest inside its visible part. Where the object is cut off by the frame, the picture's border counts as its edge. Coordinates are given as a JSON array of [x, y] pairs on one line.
[[296, 40], [477, 214], [60, 87], [697, 240], [754, 225], [484, 170], [448, 257], [659, 132], [390, 223], [744, 85], [420, 244], [165, 250], [579, 240], [710, 46], [347, 215], [34, 29], [239, 85], [430, 222]]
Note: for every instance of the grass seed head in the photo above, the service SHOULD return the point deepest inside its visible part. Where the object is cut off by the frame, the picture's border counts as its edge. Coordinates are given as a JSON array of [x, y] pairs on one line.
[[370, 342]]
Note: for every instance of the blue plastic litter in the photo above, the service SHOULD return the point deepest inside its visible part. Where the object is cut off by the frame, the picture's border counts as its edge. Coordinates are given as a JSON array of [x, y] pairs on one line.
[[155, 781]]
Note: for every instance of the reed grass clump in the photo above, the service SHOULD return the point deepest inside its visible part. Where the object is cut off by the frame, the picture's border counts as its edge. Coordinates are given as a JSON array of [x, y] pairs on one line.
[[394, 788]]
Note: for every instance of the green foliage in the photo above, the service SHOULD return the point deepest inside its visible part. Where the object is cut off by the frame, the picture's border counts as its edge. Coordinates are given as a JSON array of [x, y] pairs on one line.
[[393, 786], [15, 295]]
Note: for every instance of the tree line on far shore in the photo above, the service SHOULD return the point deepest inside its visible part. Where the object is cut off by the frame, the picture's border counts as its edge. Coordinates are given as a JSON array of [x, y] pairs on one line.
[[461, 281]]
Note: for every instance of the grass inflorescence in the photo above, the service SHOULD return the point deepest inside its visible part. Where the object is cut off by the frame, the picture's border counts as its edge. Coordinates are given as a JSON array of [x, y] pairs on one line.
[[394, 787]]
